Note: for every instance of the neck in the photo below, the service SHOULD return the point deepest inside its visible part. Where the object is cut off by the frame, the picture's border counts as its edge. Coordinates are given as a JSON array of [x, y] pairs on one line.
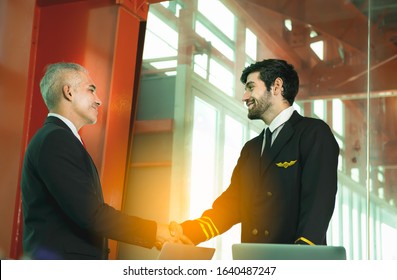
[[69, 116], [273, 112]]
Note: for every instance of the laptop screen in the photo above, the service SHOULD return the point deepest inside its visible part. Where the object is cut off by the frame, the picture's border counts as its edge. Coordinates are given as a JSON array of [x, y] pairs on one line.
[[256, 251]]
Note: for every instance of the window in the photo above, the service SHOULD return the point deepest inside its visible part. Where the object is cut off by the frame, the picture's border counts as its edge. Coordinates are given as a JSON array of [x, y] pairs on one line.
[[203, 164], [318, 49], [219, 126], [319, 109], [337, 116], [159, 44], [216, 42], [219, 15], [250, 44], [221, 77]]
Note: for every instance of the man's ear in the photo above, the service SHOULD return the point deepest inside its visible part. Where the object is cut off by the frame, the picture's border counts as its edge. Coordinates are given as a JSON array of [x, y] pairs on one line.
[[67, 92], [278, 86]]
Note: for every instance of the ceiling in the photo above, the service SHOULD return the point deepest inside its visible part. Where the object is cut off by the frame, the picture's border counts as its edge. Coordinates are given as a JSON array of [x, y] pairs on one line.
[[343, 26]]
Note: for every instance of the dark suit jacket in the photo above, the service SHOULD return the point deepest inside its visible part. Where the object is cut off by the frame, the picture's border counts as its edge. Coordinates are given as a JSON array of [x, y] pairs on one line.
[[287, 196], [64, 214]]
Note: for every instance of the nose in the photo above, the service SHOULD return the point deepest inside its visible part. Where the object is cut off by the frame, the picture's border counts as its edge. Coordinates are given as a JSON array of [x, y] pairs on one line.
[[246, 95], [97, 100]]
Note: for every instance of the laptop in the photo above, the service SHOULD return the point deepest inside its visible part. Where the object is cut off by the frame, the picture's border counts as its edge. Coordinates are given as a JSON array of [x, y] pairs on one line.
[[256, 251], [174, 251]]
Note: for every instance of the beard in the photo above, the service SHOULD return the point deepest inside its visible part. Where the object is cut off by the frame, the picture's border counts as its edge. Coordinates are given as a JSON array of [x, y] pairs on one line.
[[260, 107]]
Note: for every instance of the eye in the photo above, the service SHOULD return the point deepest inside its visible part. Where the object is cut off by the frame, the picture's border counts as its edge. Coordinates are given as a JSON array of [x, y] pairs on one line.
[[93, 90]]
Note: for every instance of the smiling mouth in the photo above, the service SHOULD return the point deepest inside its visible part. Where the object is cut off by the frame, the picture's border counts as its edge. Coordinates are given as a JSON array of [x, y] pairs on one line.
[[250, 104]]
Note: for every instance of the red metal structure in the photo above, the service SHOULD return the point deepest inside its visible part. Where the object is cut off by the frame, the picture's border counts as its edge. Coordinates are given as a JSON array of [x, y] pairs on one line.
[[106, 36]]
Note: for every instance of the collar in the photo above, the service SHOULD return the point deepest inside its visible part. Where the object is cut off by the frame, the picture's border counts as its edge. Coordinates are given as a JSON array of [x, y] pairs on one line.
[[281, 118]]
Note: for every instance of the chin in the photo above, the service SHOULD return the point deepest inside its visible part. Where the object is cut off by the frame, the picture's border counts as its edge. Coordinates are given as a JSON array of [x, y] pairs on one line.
[[253, 116], [92, 121]]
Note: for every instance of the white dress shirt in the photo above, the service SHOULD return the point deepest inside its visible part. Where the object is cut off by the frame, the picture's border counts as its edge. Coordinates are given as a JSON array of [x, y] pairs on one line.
[[277, 124]]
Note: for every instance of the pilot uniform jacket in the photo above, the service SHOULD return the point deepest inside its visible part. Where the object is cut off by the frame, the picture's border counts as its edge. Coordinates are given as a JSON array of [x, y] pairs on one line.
[[64, 214], [285, 197]]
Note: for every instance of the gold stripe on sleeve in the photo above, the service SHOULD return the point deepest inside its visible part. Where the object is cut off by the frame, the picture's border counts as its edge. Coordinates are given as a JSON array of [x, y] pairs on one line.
[[205, 231], [305, 240], [212, 223], [203, 222]]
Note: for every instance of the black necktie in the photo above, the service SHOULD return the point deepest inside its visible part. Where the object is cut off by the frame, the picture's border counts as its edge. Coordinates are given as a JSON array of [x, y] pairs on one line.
[[265, 158], [268, 141]]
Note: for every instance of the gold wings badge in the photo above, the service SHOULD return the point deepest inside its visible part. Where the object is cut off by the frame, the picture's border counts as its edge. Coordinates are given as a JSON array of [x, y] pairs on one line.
[[286, 164]]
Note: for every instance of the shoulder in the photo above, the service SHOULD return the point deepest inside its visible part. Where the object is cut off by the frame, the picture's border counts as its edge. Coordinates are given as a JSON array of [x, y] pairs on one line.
[[53, 138], [314, 132], [52, 132], [310, 124]]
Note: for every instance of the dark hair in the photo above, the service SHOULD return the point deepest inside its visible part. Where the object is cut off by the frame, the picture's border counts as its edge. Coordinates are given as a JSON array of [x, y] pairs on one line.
[[271, 69]]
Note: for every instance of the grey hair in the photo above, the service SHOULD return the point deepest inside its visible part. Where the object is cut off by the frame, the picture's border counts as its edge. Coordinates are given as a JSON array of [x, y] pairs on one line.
[[55, 77]]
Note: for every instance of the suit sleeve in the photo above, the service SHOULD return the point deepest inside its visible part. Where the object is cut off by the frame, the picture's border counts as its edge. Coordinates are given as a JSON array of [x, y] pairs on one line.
[[225, 211], [320, 153], [66, 170]]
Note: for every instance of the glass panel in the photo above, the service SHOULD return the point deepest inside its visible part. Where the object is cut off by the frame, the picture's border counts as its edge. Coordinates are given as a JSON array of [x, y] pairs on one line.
[[219, 15], [356, 98], [209, 36], [158, 45], [202, 183], [382, 128], [338, 117], [250, 44], [319, 109], [318, 48], [200, 65], [234, 140], [221, 77]]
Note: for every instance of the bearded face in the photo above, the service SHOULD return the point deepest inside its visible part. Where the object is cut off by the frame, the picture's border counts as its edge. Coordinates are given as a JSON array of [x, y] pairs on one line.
[[259, 105], [256, 97]]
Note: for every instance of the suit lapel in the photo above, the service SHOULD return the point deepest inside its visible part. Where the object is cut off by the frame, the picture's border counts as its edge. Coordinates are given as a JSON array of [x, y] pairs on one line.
[[282, 139], [257, 148], [94, 171]]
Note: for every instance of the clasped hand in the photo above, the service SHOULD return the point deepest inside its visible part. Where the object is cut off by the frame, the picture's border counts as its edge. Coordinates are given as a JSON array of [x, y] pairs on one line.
[[172, 233]]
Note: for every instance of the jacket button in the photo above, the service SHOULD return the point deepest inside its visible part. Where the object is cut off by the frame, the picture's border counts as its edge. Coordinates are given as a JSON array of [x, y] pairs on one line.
[[269, 194], [266, 232], [254, 231]]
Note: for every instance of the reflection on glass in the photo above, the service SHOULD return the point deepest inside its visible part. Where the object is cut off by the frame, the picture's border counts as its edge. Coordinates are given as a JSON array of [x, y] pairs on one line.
[[327, 42]]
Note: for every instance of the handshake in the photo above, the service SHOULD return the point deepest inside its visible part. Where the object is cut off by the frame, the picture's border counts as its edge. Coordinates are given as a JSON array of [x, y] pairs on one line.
[[172, 233]]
